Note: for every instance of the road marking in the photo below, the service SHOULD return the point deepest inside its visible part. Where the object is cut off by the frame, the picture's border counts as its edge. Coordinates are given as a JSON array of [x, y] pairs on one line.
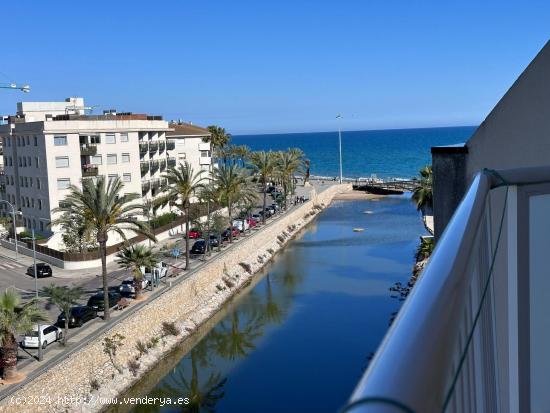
[[10, 266]]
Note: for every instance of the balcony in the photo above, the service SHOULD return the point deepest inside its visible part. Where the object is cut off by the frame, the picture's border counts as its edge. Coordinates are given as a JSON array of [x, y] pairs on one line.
[[155, 184], [154, 165], [171, 162], [145, 186], [144, 166], [162, 145], [88, 149], [170, 144], [153, 147], [162, 163], [143, 148], [473, 334], [89, 171]]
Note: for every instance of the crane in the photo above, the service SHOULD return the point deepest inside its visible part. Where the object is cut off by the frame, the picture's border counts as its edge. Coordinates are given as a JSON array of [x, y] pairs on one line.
[[23, 88]]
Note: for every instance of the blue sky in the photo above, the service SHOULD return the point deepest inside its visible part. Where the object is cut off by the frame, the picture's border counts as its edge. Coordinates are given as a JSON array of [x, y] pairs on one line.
[[263, 67]]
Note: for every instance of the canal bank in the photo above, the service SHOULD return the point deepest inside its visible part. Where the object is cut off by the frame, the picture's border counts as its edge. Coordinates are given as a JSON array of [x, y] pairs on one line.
[[90, 372], [299, 337]]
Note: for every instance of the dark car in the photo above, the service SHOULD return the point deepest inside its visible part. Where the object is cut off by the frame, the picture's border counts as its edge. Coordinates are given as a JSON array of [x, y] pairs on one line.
[[199, 247], [96, 301], [42, 270], [79, 315], [225, 234], [214, 240]]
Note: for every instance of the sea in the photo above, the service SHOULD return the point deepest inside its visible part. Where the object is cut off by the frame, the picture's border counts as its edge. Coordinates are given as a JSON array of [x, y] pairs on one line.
[[395, 153]]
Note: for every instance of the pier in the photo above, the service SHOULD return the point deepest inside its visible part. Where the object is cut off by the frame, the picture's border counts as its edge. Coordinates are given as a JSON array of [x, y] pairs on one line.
[[376, 185]]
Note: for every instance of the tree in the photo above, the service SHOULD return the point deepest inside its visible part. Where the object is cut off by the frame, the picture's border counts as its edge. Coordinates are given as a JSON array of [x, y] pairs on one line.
[[232, 184], [134, 258], [181, 185], [422, 194], [425, 248], [288, 163], [15, 318], [78, 233], [64, 298], [218, 224], [103, 206], [218, 139], [264, 166]]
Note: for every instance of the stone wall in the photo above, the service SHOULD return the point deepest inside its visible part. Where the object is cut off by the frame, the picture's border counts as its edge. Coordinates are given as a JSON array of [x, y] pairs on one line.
[[188, 303]]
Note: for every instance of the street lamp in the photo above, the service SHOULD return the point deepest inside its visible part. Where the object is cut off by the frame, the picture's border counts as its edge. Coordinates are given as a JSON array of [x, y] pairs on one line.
[[33, 238], [22, 88], [340, 144], [14, 225]]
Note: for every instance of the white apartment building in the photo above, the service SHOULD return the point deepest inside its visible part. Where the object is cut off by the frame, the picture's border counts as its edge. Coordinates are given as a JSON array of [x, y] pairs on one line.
[[45, 155], [190, 145]]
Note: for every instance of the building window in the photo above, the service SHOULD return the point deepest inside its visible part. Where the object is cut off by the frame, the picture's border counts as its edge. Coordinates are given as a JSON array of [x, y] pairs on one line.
[[60, 140], [30, 181], [29, 161], [36, 141], [63, 183], [205, 154], [181, 156], [32, 202], [38, 183], [40, 204], [111, 177], [110, 138], [126, 177], [125, 158], [111, 159], [124, 137], [24, 161], [36, 161], [97, 160], [27, 140], [95, 139], [41, 226], [61, 161]]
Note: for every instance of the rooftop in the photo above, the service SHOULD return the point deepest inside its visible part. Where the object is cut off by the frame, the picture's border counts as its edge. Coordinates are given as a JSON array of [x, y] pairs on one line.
[[187, 129]]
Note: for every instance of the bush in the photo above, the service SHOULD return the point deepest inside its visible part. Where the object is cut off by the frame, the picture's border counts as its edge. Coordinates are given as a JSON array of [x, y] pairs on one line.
[[153, 342], [94, 384], [141, 347], [27, 234], [163, 219], [133, 366], [170, 329], [246, 267], [270, 250]]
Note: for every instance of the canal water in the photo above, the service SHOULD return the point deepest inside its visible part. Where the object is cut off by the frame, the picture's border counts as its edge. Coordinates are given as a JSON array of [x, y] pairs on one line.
[[300, 337]]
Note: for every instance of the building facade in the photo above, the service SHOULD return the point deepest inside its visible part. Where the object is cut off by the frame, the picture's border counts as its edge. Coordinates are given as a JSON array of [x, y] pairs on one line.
[[45, 153], [192, 145]]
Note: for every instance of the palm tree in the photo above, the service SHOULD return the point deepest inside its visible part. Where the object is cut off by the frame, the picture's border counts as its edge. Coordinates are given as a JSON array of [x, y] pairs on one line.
[[181, 185], [264, 165], [135, 257], [102, 205], [422, 194], [232, 184], [218, 139], [288, 164], [15, 318], [234, 340], [64, 298], [207, 195]]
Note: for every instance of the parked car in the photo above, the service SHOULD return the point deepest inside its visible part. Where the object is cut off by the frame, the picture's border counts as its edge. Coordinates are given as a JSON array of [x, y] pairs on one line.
[[214, 240], [49, 334], [256, 217], [267, 213], [161, 269], [238, 223], [42, 270], [225, 234], [78, 316], [128, 286], [252, 222], [276, 207], [97, 303], [199, 247], [194, 233]]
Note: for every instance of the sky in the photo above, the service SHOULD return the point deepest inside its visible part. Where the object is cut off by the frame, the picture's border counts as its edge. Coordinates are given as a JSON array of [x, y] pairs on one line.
[[277, 66]]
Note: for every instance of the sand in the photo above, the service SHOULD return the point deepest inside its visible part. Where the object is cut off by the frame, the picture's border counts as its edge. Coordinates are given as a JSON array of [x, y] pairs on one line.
[[357, 195]]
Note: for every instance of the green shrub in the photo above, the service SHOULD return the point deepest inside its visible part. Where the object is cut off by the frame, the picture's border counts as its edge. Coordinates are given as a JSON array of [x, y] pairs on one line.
[[170, 329], [27, 234], [163, 219]]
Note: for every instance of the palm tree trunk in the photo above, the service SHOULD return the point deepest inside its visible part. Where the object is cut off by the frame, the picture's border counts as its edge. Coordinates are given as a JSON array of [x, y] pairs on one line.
[[265, 201], [102, 240], [186, 237], [207, 238], [230, 222], [8, 361], [66, 326]]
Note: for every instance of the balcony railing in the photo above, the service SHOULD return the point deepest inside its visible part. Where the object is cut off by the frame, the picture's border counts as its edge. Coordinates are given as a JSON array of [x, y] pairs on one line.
[[88, 149], [463, 340], [170, 144], [154, 166], [145, 186], [162, 145], [162, 163], [153, 147], [89, 171], [171, 162], [143, 148], [155, 183], [144, 166]]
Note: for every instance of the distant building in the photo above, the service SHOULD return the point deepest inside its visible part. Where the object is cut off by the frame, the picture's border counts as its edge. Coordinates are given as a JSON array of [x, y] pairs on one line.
[[191, 145], [514, 135], [51, 145]]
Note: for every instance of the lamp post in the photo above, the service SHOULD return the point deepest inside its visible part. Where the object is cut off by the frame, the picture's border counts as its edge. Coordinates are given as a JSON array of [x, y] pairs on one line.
[[22, 88], [340, 145], [33, 238], [14, 226]]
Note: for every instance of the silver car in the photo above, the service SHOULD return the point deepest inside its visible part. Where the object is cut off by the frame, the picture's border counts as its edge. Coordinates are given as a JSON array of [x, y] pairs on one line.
[[128, 288]]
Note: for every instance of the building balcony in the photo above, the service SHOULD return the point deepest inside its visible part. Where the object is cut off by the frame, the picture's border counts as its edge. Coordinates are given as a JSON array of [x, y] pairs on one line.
[[144, 166], [162, 163], [154, 165], [145, 186], [153, 147], [171, 161], [162, 146], [204, 146], [89, 171], [170, 144], [143, 148], [155, 184], [88, 149], [205, 160], [473, 334]]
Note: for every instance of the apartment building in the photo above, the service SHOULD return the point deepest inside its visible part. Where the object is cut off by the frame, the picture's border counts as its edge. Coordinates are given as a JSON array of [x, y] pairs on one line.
[[44, 153], [191, 145]]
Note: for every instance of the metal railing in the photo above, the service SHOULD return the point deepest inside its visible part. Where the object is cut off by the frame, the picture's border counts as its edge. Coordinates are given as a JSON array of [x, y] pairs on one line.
[[88, 149], [170, 144], [441, 353], [144, 166]]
